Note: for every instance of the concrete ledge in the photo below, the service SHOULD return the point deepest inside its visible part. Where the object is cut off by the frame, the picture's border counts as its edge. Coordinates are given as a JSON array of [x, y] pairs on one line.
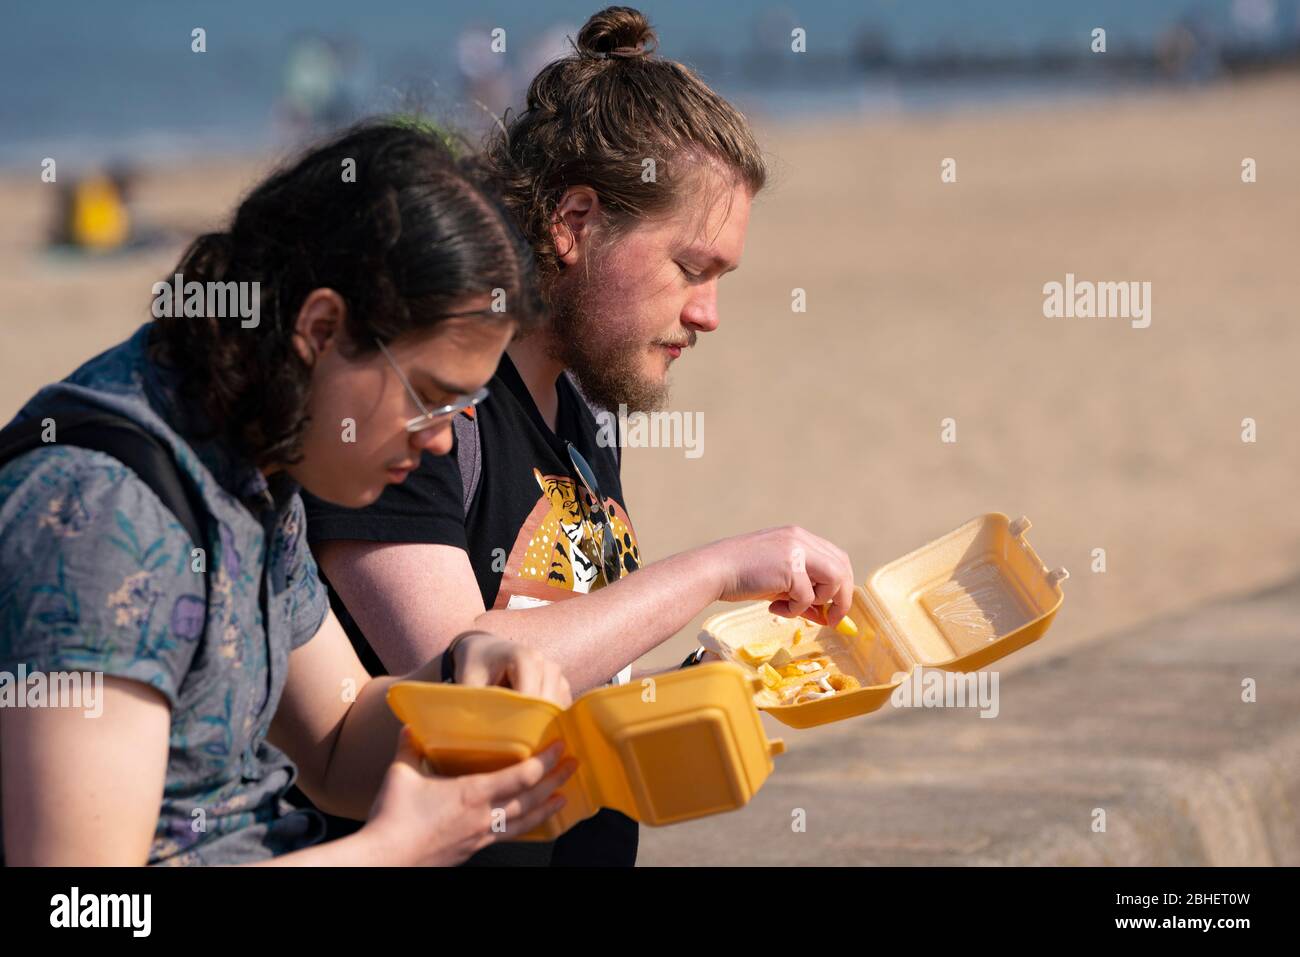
[[1148, 726]]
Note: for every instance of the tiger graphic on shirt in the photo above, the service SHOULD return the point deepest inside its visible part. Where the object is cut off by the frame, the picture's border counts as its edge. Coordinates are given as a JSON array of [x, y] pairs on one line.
[[557, 552]]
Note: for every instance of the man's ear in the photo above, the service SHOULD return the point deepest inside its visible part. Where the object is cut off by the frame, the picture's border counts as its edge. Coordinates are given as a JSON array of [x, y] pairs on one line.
[[574, 223], [319, 326]]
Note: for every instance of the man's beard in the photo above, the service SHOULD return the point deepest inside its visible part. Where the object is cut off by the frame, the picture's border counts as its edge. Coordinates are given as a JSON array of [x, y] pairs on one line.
[[607, 365]]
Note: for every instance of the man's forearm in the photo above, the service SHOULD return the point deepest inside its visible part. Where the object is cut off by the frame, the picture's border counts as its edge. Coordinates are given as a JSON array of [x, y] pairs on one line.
[[593, 636]]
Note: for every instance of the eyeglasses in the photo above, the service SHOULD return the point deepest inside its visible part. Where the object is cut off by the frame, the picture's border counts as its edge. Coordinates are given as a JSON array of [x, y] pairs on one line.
[[610, 569], [431, 417]]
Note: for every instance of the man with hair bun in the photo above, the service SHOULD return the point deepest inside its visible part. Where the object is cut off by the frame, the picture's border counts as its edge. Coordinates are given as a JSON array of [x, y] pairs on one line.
[[503, 534]]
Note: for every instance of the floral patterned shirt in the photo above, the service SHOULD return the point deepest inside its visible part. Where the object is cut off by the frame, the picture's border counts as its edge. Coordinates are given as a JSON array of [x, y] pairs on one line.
[[97, 575]]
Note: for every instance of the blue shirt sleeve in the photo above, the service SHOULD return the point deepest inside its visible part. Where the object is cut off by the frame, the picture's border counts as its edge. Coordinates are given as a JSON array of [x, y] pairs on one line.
[[308, 600], [95, 572]]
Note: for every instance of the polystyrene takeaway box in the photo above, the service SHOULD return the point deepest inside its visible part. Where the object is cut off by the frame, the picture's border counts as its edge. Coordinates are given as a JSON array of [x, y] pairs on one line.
[[686, 745], [959, 603]]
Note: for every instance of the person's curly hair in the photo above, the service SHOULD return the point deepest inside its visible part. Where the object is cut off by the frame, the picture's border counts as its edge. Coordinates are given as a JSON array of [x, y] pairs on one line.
[[404, 241]]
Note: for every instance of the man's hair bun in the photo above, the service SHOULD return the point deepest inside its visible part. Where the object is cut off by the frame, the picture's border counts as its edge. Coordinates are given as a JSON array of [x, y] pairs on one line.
[[617, 32]]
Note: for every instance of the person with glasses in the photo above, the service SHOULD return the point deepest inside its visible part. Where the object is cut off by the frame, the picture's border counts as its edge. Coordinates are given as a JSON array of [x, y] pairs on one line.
[[524, 529], [169, 567]]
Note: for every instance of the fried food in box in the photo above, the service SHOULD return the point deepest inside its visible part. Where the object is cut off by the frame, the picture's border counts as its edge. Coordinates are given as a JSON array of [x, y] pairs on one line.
[[758, 652], [798, 672]]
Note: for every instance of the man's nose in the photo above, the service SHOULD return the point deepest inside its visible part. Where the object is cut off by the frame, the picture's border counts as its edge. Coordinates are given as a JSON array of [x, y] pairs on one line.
[[701, 310]]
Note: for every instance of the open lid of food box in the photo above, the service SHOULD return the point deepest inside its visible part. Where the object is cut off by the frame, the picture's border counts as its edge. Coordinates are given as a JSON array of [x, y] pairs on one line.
[[959, 603], [966, 599]]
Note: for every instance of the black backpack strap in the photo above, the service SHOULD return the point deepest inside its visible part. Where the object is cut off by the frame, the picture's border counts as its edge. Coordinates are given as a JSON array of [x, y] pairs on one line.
[[125, 440], [469, 456], [469, 451]]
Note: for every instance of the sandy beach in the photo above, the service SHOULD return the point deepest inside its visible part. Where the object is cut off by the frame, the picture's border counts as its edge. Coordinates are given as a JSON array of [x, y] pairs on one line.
[[925, 302]]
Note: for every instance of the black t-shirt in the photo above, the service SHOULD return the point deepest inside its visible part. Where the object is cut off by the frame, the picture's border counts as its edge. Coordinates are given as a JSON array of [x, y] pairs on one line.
[[526, 540]]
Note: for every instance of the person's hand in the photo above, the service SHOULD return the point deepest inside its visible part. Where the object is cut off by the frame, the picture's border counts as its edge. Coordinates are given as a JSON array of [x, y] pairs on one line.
[[421, 819], [793, 568], [485, 659]]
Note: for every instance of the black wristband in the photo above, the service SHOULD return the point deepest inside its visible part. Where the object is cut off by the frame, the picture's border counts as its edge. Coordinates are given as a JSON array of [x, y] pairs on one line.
[[449, 659], [449, 656]]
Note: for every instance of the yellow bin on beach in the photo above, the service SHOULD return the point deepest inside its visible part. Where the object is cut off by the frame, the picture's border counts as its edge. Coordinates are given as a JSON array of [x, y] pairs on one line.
[[686, 745], [959, 603]]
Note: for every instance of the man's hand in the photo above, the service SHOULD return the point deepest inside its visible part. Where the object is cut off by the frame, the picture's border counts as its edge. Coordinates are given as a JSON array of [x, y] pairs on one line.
[[793, 568]]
